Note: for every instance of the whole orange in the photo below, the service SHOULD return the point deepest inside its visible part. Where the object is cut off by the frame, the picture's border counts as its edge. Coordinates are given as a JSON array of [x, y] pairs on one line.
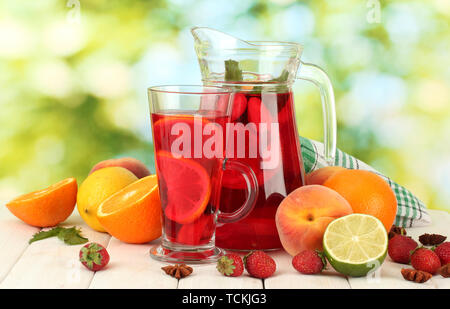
[[46, 207], [318, 177], [367, 193], [133, 214]]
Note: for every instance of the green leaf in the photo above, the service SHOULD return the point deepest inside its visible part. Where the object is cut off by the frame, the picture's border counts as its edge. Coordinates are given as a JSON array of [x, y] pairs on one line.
[[97, 258], [91, 255], [282, 78], [232, 71], [70, 236], [45, 234], [225, 266], [94, 247]]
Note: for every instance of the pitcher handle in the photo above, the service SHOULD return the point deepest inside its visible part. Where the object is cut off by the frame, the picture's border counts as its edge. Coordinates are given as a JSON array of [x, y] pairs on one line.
[[252, 192], [318, 77]]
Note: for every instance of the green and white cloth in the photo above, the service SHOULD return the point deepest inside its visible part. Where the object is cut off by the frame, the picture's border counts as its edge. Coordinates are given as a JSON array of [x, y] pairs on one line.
[[411, 212]]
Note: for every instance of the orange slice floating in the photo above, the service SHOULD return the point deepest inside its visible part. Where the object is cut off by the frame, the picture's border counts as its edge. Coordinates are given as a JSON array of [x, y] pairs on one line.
[[186, 187]]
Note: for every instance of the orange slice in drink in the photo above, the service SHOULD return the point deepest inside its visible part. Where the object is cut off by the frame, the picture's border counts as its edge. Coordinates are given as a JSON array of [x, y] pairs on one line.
[[169, 128], [185, 187], [46, 207], [133, 214]]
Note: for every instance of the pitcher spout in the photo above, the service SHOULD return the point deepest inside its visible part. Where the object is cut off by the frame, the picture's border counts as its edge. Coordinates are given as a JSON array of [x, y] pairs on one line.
[[225, 58], [215, 39]]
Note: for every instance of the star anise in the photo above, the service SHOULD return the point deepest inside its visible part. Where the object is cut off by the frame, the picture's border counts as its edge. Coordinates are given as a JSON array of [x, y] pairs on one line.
[[432, 239], [178, 270], [396, 230], [444, 271], [418, 276]]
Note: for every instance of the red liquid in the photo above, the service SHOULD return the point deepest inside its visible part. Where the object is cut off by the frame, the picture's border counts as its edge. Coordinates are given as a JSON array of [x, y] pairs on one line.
[[193, 180], [258, 230]]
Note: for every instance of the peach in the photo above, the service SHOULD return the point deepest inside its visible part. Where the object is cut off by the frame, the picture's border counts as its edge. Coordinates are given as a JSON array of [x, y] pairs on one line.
[[133, 165], [303, 216], [318, 177]]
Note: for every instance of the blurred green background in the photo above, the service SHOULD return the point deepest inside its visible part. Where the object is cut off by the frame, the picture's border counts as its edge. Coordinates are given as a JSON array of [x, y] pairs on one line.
[[73, 78]]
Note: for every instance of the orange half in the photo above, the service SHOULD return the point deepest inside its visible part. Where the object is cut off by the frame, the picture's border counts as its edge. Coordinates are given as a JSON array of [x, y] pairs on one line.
[[133, 214], [46, 207]]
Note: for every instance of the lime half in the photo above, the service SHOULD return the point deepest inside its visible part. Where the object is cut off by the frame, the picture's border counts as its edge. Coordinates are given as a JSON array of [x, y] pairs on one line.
[[355, 244]]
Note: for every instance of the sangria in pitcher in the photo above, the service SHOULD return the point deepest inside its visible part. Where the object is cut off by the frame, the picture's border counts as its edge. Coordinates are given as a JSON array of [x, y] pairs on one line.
[[264, 135]]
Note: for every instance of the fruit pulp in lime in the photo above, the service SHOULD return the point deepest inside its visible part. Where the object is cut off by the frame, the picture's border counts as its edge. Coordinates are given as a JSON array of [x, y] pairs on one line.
[[355, 244]]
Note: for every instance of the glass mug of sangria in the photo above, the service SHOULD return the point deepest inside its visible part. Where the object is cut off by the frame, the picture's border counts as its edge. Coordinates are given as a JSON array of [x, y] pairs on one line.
[[261, 74], [188, 126]]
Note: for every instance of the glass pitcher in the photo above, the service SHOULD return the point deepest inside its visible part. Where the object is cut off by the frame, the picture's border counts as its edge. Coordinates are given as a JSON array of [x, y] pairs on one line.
[[264, 135]]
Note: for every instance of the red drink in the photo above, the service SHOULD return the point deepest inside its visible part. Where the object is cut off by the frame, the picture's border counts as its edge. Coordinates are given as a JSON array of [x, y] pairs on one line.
[[189, 179], [258, 230], [189, 125], [261, 74]]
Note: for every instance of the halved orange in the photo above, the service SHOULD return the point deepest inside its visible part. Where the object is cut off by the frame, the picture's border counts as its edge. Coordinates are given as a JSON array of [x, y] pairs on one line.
[[46, 207], [133, 214], [185, 187]]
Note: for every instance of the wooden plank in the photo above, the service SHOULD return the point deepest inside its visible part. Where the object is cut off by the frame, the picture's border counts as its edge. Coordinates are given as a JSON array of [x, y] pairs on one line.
[[14, 236], [441, 282], [388, 277], [207, 277], [50, 263], [132, 267], [286, 277]]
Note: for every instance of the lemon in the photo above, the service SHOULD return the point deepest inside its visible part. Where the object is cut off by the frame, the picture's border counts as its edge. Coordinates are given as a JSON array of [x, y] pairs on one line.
[[97, 187], [355, 244]]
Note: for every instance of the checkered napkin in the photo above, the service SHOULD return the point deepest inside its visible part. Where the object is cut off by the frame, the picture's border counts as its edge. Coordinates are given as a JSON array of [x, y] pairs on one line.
[[411, 212]]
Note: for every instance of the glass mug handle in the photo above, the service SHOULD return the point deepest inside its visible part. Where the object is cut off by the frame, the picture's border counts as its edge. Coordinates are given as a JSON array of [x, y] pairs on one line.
[[318, 77], [251, 188]]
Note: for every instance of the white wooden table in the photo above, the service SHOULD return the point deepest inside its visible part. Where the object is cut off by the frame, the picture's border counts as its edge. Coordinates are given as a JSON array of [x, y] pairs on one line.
[[52, 264]]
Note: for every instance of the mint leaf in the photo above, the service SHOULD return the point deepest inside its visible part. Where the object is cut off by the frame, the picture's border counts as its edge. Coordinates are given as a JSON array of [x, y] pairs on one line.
[[282, 78], [232, 71], [70, 236], [45, 234], [234, 74]]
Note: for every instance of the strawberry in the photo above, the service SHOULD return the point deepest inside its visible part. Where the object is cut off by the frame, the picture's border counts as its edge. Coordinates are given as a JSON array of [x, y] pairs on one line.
[[230, 265], [309, 262], [258, 112], [239, 106], [426, 260], [259, 265], [400, 248], [94, 256], [443, 252]]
